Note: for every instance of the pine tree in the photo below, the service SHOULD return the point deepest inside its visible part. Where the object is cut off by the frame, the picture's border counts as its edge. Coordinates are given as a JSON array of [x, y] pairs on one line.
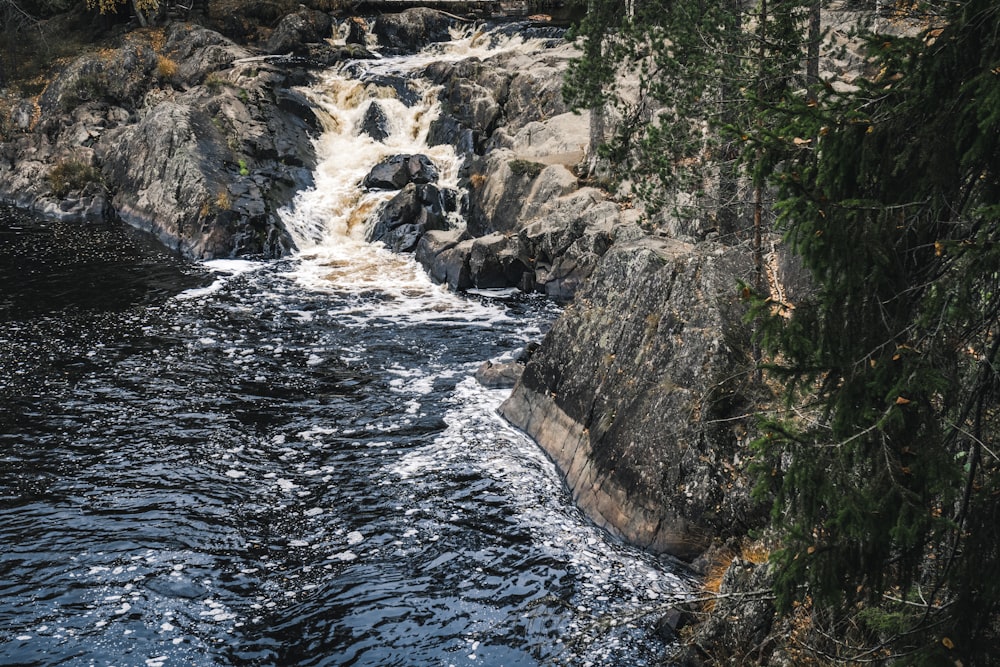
[[886, 482]]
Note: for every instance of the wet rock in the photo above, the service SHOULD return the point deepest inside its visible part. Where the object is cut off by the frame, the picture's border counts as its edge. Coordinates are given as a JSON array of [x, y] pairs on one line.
[[412, 29], [324, 55], [471, 92], [500, 374], [496, 262], [356, 30], [445, 256], [396, 172], [404, 219], [295, 31], [637, 393], [375, 123]]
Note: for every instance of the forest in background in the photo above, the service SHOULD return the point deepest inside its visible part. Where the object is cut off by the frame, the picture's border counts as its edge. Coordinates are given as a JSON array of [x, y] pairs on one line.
[[881, 462]]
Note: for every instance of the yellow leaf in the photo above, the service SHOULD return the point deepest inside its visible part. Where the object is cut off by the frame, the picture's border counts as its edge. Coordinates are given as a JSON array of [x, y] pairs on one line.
[[947, 643], [871, 362], [938, 248]]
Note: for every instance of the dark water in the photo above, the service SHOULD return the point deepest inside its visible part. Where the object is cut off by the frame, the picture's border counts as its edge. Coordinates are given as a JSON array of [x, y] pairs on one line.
[[260, 473]]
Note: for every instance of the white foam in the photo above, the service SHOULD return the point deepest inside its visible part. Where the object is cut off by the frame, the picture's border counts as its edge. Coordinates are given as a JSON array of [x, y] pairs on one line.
[[228, 268]]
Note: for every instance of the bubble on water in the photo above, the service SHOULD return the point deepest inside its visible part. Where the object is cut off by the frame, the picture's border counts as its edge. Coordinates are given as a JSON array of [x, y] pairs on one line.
[[345, 556]]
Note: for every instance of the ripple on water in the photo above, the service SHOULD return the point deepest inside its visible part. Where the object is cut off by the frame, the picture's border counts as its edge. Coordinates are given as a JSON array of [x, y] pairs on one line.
[[288, 463]]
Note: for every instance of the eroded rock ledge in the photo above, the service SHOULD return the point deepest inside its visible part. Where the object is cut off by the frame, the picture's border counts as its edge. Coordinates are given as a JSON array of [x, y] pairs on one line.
[[638, 394], [180, 132]]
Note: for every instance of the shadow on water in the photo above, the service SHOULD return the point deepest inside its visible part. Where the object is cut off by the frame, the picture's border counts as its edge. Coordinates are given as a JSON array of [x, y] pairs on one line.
[[49, 266]]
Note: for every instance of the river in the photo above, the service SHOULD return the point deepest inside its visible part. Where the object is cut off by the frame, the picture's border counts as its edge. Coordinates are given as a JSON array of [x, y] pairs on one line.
[[287, 462]]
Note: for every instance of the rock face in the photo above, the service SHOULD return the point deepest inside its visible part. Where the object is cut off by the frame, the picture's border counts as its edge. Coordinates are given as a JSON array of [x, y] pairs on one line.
[[531, 224], [408, 31], [295, 31], [188, 140], [637, 394], [395, 172], [405, 218]]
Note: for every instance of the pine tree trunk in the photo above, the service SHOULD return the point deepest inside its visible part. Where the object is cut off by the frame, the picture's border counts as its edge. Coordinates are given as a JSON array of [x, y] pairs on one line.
[[812, 47], [597, 136]]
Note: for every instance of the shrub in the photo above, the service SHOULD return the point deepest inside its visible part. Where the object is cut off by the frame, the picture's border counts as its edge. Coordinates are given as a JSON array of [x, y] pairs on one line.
[[72, 175], [526, 168], [166, 68]]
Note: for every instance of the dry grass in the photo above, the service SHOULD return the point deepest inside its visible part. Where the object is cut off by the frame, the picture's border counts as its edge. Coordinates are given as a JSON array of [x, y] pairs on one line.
[[166, 68]]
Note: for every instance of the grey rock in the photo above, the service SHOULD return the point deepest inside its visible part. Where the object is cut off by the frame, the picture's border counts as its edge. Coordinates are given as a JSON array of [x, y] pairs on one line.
[[397, 171], [205, 168], [637, 393], [412, 29], [375, 123], [414, 211], [445, 256], [496, 262], [296, 30], [499, 375]]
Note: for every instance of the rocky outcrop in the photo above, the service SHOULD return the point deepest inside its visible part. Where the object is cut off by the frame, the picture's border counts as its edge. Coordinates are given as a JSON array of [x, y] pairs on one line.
[[397, 171], [195, 140], [295, 31], [531, 224], [736, 629], [409, 30], [404, 219], [639, 392]]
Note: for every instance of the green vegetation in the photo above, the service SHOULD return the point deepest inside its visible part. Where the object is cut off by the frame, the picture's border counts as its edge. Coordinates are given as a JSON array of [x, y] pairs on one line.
[[72, 176], [525, 168], [883, 472]]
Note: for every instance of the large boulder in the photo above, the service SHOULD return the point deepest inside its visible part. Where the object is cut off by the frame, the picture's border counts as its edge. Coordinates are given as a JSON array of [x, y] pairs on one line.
[[295, 31], [509, 191], [414, 211], [485, 103], [190, 142], [395, 172], [471, 96], [412, 29], [445, 256], [375, 123], [637, 393]]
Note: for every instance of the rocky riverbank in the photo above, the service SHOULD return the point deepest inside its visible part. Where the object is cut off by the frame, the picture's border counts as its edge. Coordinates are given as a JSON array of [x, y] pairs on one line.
[[638, 391], [641, 391]]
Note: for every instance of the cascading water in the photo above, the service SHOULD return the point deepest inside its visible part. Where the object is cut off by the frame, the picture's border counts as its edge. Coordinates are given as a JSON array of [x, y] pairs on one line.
[[290, 463]]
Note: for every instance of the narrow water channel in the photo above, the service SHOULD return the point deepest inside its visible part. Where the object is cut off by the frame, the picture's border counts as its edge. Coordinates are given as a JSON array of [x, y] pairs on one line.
[[287, 463]]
